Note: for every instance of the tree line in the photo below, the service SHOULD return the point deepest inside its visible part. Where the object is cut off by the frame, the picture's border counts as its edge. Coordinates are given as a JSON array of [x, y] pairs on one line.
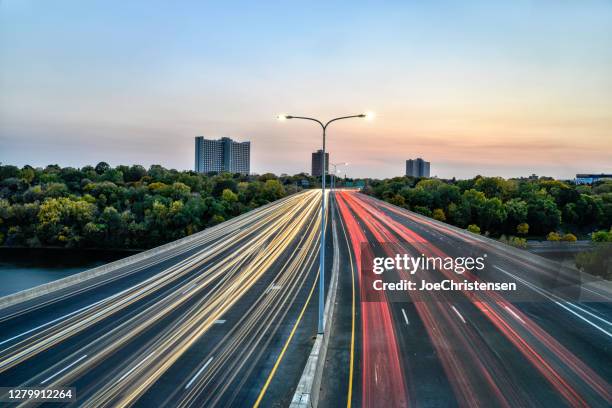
[[134, 207], [124, 206], [508, 208]]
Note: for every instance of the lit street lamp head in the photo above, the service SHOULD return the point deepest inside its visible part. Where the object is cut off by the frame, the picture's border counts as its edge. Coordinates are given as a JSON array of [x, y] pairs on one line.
[[367, 115]]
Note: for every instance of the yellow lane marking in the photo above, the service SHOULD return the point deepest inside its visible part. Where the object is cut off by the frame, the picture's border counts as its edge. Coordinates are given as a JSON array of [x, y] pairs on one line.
[[282, 353], [349, 398], [286, 345]]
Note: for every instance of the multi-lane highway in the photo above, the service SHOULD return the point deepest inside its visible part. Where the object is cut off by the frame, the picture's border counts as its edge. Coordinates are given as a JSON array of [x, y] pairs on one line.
[[532, 348], [228, 318]]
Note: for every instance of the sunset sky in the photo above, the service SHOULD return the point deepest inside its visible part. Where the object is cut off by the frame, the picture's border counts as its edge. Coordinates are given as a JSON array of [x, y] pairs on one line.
[[503, 88]]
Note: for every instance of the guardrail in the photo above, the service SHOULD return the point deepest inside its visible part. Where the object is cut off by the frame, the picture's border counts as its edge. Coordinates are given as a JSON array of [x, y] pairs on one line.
[[46, 288], [307, 391]]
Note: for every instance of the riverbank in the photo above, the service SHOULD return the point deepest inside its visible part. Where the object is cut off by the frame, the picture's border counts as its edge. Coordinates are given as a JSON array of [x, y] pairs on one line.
[[23, 268]]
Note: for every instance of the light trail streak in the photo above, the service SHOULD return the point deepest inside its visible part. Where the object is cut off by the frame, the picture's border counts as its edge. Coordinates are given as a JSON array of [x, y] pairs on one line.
[[63, 369], [48, 323], [493, 307], [458, 314], [198, 373], [517, 317], [349, 397], [405, 316], [379, 345], [199, 320], [205, 293], [556, 300], [172, 309]]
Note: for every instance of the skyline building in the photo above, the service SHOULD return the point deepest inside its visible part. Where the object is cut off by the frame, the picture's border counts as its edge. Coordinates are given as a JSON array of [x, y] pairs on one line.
[[317, 157], [222, 155], [591, 178], [417, 168]]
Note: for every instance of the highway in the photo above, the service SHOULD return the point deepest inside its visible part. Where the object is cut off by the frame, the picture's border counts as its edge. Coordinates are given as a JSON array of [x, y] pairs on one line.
[[226, 319], [549, 344]]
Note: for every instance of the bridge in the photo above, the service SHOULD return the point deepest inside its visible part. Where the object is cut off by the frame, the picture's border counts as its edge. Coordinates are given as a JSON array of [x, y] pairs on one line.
[[228, 317]]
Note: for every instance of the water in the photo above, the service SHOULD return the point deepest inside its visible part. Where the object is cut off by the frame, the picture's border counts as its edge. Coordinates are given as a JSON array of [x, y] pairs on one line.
[[25, 268]]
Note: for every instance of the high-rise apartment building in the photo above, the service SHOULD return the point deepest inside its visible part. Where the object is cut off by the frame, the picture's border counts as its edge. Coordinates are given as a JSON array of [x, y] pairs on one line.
[[417, 168], [223, 155], [317, 163]]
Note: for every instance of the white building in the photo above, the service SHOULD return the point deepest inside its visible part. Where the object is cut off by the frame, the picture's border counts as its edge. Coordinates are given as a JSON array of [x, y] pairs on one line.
[[223, 155]]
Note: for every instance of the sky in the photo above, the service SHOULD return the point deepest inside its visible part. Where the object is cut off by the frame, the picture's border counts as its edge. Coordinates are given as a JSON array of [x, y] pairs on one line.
[[496, 88]]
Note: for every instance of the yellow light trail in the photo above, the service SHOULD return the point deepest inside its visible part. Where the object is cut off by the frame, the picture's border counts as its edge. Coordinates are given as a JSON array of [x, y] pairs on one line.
[[253, 250]]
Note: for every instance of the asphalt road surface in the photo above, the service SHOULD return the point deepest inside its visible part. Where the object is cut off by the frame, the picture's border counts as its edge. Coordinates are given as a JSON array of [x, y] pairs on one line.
[[229, 318], [225, 320], [548, 344]]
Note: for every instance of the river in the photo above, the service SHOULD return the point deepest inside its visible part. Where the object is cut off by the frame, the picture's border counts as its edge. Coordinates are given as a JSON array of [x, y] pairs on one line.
[[22, 268]]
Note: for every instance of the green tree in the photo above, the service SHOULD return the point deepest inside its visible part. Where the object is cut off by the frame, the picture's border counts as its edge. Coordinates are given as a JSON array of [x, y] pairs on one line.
[[55, 190], [398, 200], [34, 193], [102, 167], [491, 214], [229, 196], [61, 220], [472, 201], [273, 190], [473, 228], [439, 215], [568, 237], [422, 210], [222, 183], [495, 187], [602, 236], [179, 191], [543, 214], [517, 211], [112, 175], [9, 171], [570, 214], [589, 209], [125, 206], [27, 174], [134, 173], [522, 228], [216, 219]]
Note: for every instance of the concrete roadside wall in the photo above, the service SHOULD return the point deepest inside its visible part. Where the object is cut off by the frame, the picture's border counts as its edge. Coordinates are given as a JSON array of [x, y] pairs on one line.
[[31, 293], [46, 288], [587, 281], [307, 391]]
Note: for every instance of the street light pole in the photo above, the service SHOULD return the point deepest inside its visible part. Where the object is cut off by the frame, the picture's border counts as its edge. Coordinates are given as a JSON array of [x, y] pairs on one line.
[[333, 179], [323, 176]]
